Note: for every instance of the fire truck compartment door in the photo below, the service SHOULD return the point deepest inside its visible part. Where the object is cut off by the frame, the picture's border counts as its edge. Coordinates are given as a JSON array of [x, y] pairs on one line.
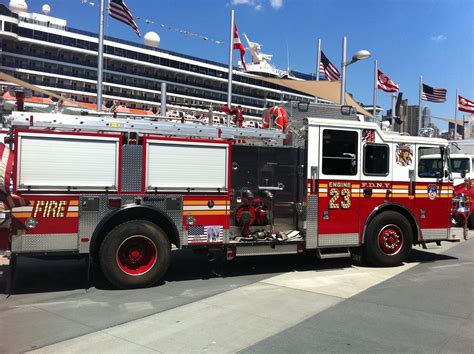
[[186, 166], [62, 162]]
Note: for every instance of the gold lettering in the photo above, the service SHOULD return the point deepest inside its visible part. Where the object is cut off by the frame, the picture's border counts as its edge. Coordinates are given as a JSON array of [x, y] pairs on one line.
[[61, 213], [52, 210], [39, 206]]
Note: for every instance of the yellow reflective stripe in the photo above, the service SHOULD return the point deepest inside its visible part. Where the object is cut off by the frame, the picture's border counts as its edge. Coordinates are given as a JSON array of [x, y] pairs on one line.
[[199, 212], [204, 202]]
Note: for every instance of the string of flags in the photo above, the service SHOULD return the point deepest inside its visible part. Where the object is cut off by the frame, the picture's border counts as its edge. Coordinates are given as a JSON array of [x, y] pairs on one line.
[[119, 10], [166, 26]]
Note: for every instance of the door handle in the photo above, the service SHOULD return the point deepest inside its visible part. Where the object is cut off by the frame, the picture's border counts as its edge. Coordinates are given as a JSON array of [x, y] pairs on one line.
[[412, 187]]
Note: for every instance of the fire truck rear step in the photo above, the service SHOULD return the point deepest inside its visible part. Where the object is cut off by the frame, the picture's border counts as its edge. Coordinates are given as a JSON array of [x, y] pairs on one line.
[[330, 253], [265, 250]]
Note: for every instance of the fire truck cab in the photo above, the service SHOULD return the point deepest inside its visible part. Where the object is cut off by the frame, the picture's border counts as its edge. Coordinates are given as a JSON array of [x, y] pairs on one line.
[[122, 191]]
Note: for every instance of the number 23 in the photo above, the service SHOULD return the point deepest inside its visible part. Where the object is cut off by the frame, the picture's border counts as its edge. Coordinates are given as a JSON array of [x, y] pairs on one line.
[[345, 203]]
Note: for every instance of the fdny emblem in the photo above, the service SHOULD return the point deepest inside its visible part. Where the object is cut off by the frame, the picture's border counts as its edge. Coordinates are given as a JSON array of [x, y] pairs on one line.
[[432, 191]]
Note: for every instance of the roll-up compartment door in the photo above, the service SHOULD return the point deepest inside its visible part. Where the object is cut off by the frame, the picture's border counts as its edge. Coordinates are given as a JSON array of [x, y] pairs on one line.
[[187, 166], [61, 161]]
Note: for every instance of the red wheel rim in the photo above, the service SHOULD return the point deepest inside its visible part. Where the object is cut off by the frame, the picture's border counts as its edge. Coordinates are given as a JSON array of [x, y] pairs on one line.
[[390, 240], [136, 255]]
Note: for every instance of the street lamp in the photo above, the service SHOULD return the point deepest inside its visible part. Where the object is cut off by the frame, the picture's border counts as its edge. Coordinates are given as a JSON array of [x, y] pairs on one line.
[[360, 55]]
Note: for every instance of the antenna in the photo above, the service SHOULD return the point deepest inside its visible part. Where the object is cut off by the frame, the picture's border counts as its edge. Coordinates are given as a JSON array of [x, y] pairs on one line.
[[287, 55]]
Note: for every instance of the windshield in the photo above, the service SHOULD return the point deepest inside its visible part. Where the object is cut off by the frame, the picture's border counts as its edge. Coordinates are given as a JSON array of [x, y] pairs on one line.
[[432, 167], [459, 165]]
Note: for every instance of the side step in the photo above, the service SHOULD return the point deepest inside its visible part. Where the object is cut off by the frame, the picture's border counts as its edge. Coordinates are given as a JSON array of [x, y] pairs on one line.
[[328, 253]]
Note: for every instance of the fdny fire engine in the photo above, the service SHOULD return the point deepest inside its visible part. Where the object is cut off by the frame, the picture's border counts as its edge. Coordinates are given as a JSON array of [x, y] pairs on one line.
[[123, 191]]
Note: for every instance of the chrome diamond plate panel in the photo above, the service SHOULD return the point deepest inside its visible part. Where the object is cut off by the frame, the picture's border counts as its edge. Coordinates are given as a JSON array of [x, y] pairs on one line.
[[265, 250], [312, 221], [44, 243], [132, 168], [330, 240], [435, 234]]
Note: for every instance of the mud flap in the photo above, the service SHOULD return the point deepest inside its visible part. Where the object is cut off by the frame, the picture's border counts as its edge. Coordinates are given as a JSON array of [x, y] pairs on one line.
[[357, 255]]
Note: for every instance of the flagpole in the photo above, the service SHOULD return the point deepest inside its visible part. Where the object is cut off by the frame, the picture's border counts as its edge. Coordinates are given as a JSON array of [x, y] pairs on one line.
[[456, 116], [100, 54], [342, 100], [231, 59], [419, 105], [374, 111], [318, 59]]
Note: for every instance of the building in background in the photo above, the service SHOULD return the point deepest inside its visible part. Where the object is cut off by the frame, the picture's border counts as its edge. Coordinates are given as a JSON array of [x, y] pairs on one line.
[[426, 117], [409, 116], [468, 126]]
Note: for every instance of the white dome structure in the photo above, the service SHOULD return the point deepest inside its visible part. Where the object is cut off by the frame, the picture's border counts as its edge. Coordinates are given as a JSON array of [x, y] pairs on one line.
[[152, 39], [17, 6], [46, 9]]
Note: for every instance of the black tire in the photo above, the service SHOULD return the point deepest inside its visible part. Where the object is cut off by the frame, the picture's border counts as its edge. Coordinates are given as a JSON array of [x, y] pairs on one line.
[[135, 254], [388, 239], [470, 221]]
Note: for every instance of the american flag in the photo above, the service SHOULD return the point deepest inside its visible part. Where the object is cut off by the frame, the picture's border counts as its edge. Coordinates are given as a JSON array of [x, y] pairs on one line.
[[239, 46], [120, 11], [328, 69], [465, 105], [384, 83], [204, 234], [433, 94]]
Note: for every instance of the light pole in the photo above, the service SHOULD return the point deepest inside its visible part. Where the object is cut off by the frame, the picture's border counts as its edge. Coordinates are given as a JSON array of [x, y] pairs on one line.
[[360, 55]]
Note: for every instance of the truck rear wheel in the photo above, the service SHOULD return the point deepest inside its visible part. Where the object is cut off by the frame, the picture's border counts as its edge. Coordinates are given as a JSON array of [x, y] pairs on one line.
[[388, 239], [135, 254]]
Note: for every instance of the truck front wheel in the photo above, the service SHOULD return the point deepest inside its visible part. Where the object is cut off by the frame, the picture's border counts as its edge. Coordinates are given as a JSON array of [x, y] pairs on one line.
[[388, 239], [135, 254]]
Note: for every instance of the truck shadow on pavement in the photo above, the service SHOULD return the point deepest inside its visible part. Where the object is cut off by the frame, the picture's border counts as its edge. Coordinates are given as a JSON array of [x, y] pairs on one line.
[[42, 276]]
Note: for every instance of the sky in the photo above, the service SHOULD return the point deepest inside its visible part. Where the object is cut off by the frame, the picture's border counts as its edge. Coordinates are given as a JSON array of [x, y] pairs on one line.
[[409, 38]]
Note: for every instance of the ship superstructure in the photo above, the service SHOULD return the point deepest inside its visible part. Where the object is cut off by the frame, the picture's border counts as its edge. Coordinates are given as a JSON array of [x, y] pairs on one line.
[[45, 51]]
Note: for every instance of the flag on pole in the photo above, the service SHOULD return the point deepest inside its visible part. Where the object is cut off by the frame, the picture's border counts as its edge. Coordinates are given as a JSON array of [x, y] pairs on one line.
[[120, 11], [465, 105], [431, 94], [384, 83], [239, 46], [328, 69]]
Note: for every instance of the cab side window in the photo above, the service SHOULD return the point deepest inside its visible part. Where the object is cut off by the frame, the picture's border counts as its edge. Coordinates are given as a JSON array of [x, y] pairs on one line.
[[340, 152], [376, 160]]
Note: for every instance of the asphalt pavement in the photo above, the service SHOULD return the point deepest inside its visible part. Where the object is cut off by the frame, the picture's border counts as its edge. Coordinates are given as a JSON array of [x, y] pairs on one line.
[[255, 304]]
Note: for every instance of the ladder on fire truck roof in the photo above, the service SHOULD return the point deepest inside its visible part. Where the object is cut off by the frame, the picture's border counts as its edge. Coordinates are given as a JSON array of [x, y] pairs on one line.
[[139, 125]]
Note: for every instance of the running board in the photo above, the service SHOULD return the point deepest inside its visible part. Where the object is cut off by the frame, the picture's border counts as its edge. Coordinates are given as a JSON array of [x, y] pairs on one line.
[[332, 253]]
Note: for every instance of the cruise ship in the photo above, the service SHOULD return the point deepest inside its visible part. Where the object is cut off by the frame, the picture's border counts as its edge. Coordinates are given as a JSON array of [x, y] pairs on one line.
[[44, 51]]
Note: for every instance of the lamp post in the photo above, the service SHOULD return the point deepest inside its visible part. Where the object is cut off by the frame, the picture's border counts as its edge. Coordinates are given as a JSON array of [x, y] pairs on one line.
[[360, 55]]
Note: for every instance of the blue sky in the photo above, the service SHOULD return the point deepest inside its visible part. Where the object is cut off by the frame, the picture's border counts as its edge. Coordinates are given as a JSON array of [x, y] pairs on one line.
[[409, 38]]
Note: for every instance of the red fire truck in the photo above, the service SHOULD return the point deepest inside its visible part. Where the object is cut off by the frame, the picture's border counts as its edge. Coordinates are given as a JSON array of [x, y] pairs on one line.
[[122, 191]]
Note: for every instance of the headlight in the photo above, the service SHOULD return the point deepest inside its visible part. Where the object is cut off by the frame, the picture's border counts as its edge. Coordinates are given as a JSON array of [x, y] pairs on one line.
[[31, 223]]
